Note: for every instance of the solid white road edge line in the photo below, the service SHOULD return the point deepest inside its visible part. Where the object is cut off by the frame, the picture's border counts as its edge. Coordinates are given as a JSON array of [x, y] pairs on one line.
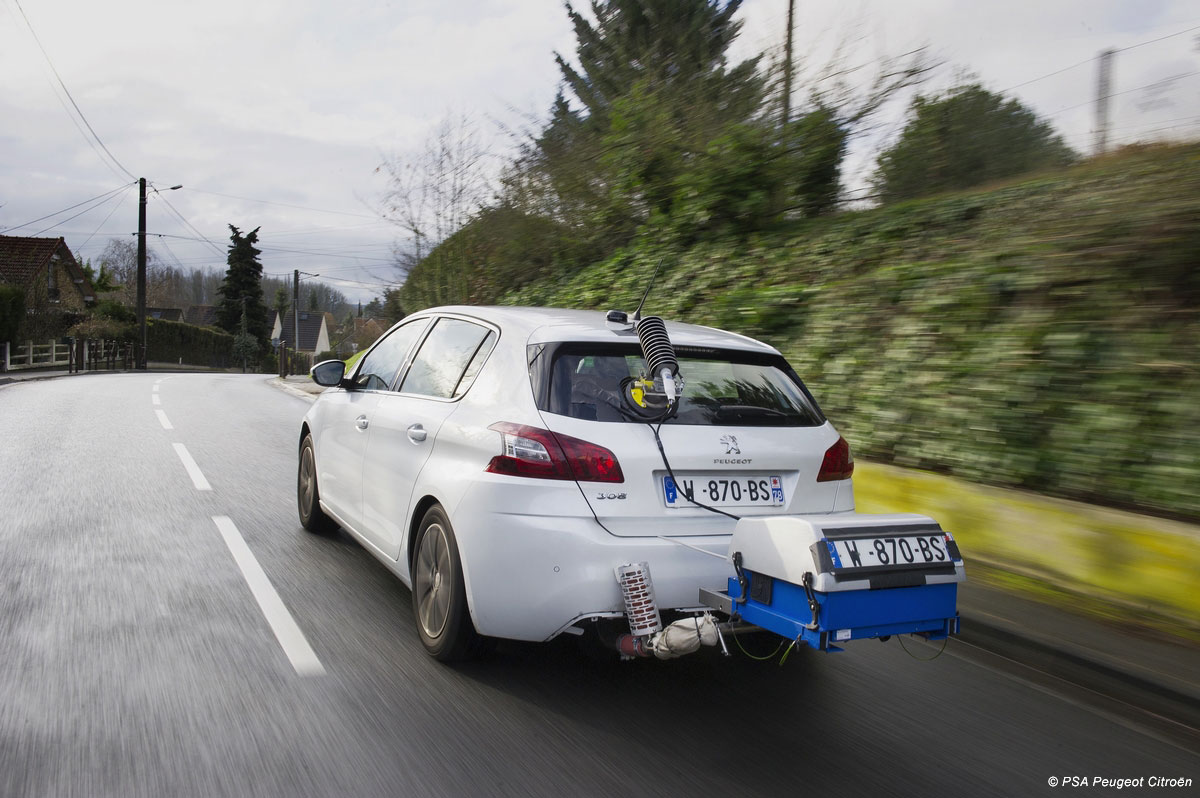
[[290, 638], [162, 419], [193, 470]]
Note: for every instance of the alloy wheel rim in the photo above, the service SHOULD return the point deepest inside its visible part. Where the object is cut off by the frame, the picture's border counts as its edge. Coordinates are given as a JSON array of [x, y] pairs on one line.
[[432, 582], [306, 482]]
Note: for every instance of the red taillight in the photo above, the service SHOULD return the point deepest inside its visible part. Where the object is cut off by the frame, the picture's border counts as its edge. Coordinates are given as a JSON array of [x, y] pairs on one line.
[[838, 463], [542, 454]]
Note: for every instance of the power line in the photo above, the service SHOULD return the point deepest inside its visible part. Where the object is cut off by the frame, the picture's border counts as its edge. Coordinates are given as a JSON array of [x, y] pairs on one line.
[[1134, 136], [71, 208], [76, 216], [1160, 122], [174, 257], [313, 230], [186, 223], [337, 280], [106, 218], [1050, 74], [285, 204], [1159, 39], [1127, 91], [68, 92], [1093, 58], [266, 248]]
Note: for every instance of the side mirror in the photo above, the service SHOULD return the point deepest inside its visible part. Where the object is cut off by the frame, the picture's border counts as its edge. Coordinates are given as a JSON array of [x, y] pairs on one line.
[[328, 373]]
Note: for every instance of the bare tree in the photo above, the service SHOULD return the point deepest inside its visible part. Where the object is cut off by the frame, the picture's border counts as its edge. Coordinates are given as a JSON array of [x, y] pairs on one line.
[[439, 189], [119, 259]]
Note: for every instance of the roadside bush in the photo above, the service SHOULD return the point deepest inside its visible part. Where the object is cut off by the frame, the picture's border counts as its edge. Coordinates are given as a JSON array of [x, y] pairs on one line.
[[176, 342], [12, 311], [1044, 335]]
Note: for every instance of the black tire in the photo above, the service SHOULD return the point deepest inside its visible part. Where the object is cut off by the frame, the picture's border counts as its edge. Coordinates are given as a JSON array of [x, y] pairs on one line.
[[308, 496], [439, 596]]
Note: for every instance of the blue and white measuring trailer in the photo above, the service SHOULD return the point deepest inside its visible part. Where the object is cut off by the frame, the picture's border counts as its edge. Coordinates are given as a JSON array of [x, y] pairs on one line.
[[823, 580]]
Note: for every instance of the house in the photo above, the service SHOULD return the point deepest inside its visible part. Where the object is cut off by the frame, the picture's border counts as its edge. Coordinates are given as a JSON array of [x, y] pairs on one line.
[[166, 314], [368, 331], [47, 271], [314, 332], [201, 315], [357, 335]]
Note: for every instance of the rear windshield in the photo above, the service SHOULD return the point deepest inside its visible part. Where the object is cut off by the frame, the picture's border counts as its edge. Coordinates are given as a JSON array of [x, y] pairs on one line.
[[721, 387]]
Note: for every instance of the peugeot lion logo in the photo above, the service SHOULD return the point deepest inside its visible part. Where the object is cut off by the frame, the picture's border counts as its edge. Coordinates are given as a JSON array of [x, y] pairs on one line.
[[730, 443]]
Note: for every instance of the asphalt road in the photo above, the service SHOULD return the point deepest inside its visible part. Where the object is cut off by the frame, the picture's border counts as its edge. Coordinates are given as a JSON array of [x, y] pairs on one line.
[[135, 659]]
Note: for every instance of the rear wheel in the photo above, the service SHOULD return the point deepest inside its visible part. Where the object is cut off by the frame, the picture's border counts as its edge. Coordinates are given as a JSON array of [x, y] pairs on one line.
[[308, 497], [438, 593]]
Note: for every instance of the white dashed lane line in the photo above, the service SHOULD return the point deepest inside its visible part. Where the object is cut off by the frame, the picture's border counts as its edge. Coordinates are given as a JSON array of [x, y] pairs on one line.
[[287, 632], [190, 465]]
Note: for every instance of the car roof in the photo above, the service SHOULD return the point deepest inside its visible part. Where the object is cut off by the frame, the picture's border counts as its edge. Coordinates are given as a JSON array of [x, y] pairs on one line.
[[549, 325]]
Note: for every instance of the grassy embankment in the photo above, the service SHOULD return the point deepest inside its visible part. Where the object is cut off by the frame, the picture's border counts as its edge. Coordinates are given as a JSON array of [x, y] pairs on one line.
[[1042, 335]]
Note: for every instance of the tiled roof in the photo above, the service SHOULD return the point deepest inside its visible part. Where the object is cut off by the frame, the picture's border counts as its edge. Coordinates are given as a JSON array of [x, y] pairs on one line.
[[369, 325], [166, 314], [22, 258], [201, 315], [310, 329]]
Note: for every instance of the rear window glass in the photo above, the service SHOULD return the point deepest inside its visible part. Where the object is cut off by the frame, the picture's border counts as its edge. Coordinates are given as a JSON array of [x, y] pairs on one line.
[[725, 388]]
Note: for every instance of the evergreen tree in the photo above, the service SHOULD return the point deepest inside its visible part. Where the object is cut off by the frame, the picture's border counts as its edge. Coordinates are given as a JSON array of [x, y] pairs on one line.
[[282, 302], [243, 279], [392, 311], [964, 138], [244, 345], [672, 46], [656, 91]]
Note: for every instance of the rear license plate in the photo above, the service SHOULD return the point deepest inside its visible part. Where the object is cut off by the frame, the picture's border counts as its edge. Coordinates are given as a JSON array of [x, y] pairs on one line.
[[724, 491], [890, 551]]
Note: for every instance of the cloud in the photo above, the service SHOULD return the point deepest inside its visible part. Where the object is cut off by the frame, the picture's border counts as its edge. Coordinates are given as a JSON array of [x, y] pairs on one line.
[[295, 102]]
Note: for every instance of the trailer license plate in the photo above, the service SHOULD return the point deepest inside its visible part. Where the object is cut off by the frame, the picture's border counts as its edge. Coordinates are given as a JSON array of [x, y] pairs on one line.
[[724, 491], [890, 551]]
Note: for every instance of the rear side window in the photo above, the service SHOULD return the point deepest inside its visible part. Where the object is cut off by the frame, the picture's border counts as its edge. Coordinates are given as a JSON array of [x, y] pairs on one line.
[[379, 367], [449, 359], [721, 387]]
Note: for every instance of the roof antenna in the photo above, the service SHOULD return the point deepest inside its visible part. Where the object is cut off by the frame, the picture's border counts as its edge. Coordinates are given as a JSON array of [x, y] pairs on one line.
[[637, 314]]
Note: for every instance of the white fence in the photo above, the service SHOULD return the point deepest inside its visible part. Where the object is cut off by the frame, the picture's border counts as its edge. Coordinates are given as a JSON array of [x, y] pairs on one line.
[[70, 355]]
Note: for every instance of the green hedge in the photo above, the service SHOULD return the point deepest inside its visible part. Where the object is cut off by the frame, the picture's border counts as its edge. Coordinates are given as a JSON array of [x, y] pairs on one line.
[[12, 311], [1043, 335], [175, 342]]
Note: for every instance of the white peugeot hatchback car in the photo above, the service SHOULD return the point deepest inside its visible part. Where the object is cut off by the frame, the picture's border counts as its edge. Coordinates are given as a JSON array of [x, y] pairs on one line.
[[504, 461]]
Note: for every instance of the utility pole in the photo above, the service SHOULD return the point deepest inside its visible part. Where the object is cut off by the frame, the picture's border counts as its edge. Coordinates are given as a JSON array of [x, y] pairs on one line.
[[1103, 92], [140, 360], [787, 66], [141, 273], [296, 309]]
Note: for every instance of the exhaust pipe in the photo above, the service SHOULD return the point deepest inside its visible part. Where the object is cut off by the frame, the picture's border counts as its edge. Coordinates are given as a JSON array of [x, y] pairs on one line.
[[646, 634]]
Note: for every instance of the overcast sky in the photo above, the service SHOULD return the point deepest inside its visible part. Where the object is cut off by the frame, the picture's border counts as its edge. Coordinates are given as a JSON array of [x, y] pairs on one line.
[[257, 106]]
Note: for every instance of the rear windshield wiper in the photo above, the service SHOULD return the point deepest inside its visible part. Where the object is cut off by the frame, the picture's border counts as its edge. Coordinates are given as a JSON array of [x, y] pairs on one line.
[[739, 412]]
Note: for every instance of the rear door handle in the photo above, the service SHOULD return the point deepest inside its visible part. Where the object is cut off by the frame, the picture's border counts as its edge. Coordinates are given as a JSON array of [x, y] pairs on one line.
[[417, 433], [361, 422]]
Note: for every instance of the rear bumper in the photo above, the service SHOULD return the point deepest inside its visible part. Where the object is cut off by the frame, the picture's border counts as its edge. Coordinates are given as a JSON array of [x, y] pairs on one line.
[[532, 572]]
